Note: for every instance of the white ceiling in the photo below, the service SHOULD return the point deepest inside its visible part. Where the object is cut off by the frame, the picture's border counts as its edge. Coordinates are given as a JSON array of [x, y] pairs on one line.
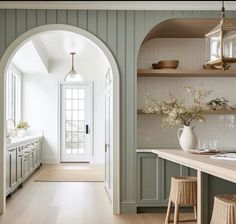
[[120, 5], [43, 52], [28, 61], [58, 44]]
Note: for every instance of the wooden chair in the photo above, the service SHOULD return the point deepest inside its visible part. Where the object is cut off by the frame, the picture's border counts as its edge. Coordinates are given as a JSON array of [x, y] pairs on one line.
[[183, 192], [224, 211]]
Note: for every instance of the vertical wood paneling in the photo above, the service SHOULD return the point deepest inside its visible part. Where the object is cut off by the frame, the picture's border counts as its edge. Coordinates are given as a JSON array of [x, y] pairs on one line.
[[122, 31], [92, 21], [149, 18], [130, 108], [41, 17], [51, 16], [139, 27], [121, 58], [102, 25], [2, 33], [62, 16], [83, 19], [72, 17], [10, 26], [20, 21], [31, 18], [139, 30], [111, 30]]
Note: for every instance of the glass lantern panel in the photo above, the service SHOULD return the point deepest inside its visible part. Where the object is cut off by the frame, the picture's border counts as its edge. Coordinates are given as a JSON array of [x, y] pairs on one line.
[[229, 44], [213, 47]]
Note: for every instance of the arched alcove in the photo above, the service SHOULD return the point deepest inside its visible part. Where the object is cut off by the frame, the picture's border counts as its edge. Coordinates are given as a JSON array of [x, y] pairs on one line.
[[183, 40]]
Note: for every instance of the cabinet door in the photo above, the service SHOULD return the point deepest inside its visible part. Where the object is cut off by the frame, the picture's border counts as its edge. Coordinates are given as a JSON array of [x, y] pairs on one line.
[[31, 164], [13, 166], [148, 179], [39, 151], [8, 170], [34, 152], [19, 167], [20, 163], [26, 165]]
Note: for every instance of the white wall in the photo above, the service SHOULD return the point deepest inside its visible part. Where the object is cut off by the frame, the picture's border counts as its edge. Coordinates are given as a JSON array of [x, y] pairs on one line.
[[40, 97]]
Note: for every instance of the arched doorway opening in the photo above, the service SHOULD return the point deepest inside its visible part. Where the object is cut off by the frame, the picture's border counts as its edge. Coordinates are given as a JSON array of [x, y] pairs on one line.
[[115, 87]]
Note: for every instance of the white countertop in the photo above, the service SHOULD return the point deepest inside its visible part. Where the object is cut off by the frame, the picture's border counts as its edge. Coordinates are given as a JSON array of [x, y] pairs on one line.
[[22, 140], [220, 168]]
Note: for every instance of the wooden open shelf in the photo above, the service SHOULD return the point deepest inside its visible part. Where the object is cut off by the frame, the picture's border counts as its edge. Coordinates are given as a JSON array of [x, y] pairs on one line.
[[220, 111], [185, 73]]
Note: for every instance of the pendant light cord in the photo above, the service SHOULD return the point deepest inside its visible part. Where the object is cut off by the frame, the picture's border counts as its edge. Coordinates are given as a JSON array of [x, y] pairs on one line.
[[223, 10], [72, 61]]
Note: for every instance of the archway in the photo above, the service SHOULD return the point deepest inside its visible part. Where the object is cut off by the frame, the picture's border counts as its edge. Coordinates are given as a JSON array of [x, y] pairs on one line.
[[6, 58]]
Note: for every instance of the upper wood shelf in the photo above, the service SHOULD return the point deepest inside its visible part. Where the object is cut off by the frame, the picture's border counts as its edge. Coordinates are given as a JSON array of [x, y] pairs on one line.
[[220, 111], [185, 73]]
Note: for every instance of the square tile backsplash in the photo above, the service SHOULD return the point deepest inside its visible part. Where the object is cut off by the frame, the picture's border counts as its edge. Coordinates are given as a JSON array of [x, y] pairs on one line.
[[217, 130]]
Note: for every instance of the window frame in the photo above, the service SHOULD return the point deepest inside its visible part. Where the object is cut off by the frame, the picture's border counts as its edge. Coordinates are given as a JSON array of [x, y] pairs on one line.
[[17, 85]]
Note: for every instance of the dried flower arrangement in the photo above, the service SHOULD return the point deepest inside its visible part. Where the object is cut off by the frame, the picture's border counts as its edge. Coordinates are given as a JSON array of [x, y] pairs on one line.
[[174, 111]]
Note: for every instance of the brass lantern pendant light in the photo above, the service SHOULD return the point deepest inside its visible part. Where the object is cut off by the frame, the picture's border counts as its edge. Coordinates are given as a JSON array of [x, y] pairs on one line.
[[72, 73], [221, 44]]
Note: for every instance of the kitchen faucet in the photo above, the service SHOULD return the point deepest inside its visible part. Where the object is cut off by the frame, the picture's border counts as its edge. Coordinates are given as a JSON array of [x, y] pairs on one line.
[[10, 133]]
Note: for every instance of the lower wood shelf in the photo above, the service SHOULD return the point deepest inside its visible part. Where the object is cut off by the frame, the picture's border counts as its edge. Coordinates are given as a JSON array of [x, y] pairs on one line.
[[220, 111], [184, 73]]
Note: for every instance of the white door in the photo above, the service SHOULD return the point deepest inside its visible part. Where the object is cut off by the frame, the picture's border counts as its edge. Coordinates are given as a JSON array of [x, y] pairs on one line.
[[108, 136], [76, 132]]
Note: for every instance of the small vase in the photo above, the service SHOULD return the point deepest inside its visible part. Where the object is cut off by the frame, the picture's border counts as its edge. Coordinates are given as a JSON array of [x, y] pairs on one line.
[[187, 139], [21, 132]]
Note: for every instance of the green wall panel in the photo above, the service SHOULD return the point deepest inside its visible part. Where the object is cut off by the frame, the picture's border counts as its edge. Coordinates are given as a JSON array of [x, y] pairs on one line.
[[31, 17], [72, 17], [83, 19], [41, 17], [102, 25], [62, 17], [123, 32], [51, 16], [20, 21], [10, 26], [92, 21], [2, 34]]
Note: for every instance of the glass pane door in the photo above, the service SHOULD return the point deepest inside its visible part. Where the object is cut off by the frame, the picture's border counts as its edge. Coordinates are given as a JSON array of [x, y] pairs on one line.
[[75, 128]]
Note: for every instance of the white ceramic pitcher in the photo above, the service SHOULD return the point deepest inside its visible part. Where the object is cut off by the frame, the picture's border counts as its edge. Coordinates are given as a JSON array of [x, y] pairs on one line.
[[187, 139]]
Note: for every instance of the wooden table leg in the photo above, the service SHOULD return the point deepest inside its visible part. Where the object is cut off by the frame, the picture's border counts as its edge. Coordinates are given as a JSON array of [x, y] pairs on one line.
[[202, 198]]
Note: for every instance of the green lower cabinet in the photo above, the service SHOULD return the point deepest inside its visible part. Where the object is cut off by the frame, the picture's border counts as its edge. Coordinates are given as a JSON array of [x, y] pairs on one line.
[[148, 185], [154, 179]]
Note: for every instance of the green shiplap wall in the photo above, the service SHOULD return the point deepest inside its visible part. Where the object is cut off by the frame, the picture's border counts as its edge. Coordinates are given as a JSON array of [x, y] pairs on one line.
[[122, 32]]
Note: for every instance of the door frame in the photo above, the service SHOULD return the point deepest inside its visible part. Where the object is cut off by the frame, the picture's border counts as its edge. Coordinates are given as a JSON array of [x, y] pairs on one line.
[[4, 62], [59, 87]]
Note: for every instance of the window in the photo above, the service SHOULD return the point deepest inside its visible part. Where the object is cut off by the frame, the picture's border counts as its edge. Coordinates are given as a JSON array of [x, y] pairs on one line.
[[13, 94]]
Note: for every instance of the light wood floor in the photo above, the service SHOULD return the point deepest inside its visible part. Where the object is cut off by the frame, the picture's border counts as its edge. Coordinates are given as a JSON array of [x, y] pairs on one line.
[[67, 203]]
